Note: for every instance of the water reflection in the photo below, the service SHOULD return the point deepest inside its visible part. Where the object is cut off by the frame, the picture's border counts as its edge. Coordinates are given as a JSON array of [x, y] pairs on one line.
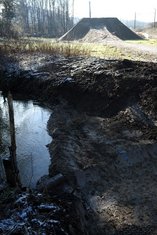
[[31, 138]]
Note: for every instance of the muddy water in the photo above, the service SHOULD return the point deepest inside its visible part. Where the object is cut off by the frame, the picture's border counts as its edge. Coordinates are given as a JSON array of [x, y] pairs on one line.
[[31, 139]]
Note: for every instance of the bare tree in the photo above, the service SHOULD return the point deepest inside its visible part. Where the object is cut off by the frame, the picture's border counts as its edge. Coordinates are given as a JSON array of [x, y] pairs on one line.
[[7, 16], [49, 18]]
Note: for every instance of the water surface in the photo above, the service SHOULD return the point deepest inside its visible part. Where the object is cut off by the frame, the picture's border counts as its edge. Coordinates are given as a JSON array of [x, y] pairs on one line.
[[31, 139]]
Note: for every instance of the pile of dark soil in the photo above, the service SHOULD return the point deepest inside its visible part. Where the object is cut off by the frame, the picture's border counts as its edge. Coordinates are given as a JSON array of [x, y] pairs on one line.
[[111, 27], [104, 128]]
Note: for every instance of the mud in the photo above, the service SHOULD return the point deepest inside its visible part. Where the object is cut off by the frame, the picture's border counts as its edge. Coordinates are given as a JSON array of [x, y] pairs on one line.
[[104, 135]]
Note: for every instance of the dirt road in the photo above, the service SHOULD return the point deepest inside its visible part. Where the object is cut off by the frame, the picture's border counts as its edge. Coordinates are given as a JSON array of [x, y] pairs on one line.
[[149, 50]]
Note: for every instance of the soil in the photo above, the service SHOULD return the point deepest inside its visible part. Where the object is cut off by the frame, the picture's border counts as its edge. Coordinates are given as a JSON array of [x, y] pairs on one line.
[[104, 130], [33, 212], [99, 36], [150, 32], [112, 28]]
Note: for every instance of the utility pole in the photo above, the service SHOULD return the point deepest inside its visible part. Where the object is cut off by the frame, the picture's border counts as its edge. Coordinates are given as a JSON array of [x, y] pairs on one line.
[[90, 13], [135, 21], [73, 5], [154, 17]]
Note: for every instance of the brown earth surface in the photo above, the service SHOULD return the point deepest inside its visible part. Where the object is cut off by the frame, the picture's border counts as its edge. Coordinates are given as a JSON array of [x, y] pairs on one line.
[[98, 36], [104, 130], [151, 32]]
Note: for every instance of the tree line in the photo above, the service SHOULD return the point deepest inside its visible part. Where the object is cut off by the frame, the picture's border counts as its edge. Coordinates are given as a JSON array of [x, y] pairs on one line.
[[46, 18]]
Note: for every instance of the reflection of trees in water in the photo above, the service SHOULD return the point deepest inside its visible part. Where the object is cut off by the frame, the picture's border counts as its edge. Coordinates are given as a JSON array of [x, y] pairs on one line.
[[21, 106], [21, 109]]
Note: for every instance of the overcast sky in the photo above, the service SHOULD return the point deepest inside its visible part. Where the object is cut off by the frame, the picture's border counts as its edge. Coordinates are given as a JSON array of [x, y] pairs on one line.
[[123, 9]]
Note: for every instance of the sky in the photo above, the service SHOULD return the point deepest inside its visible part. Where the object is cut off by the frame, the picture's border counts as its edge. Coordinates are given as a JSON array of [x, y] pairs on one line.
[[123, 9]]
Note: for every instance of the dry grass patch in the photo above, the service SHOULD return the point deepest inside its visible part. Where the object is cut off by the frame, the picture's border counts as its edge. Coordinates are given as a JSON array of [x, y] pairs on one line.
[[52, 46], [151, 42]]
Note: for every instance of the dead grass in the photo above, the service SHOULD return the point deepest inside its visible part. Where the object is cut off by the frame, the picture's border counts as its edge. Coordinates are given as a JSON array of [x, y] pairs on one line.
[[51, 46], [151, 42], [43, 46], [64, 48]]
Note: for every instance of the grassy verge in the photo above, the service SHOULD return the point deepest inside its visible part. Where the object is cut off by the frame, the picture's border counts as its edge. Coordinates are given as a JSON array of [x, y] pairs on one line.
[[67, 49], [151, 42], [43, 46]]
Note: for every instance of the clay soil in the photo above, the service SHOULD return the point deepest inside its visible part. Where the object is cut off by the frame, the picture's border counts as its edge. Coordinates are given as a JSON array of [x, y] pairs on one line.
[[104, 134]]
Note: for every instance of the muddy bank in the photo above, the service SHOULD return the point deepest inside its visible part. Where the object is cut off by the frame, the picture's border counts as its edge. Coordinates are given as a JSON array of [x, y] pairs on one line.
[[34, 212], [112, 164], [104, 135], [96, 86]]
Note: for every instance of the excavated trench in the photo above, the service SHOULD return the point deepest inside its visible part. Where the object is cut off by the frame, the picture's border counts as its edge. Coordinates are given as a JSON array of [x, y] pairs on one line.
[[104, 136]]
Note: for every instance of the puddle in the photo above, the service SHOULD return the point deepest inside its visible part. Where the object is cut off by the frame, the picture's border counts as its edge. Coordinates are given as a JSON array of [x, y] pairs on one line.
[[31, 139]]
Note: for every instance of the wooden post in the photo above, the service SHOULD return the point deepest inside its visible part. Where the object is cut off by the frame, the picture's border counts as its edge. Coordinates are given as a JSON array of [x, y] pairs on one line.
[[12, 148]]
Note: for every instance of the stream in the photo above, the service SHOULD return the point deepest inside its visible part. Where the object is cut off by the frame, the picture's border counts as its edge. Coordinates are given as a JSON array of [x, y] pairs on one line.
[[33, 157]]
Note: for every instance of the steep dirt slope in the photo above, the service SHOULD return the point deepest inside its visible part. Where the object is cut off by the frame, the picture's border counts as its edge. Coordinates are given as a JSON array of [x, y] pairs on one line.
[[113, 25]]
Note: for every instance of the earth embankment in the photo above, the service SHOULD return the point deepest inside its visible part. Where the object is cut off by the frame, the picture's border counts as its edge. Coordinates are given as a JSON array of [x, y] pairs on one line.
[[104, 134], [110, 28]]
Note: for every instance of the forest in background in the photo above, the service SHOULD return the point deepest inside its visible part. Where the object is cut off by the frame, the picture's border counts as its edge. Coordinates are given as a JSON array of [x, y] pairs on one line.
[[39, 18]]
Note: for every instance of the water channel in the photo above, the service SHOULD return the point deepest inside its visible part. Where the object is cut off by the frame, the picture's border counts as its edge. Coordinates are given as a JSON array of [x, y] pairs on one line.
[[31, 139]]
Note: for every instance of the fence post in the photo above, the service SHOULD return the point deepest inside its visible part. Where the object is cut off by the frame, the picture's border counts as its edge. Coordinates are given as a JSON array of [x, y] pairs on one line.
[[12, 148]]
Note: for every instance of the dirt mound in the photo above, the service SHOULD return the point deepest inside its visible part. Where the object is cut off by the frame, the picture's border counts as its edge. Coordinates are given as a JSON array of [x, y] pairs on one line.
[[99, 35], [112, 26], [151, 32]]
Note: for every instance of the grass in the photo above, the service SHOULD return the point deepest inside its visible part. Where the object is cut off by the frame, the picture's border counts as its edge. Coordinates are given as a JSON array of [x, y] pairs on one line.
[[43, 46], [145, 42], [64, 48], [51, 46]]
